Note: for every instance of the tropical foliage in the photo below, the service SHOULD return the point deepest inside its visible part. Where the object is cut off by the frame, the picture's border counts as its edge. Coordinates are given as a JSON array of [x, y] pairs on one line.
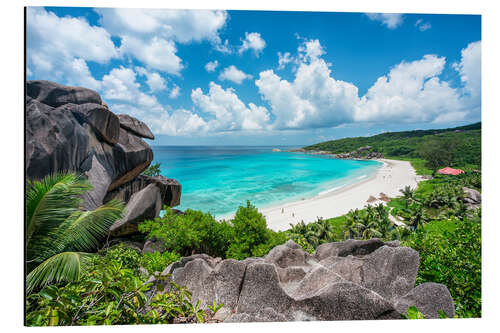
[[453, 258], [153, 170], [58, 233], [112, 292], [244, 236]]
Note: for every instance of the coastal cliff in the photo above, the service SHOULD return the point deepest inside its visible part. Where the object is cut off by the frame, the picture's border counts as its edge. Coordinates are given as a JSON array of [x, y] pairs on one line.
[[70, 129]]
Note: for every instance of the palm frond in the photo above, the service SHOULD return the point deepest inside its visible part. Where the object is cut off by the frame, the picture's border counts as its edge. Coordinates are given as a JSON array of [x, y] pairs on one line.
[[65, 266], [85, 229], [50, 201]]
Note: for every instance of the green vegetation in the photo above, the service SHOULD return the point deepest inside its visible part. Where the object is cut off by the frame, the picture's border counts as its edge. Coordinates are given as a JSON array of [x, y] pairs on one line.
[[58, 233], [111, 291], [158, 261], [450, 253], [409, 144], [244, 236], [193, 232], [437, 152], [153, 170]]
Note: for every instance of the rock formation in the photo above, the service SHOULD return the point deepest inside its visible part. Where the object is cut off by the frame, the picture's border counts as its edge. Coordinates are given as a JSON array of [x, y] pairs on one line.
[[71, 129], [341, 281], [472, 198], [361, 153]]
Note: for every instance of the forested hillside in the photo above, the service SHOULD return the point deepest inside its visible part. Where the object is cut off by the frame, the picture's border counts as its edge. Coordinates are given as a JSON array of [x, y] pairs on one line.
[[466, 140]]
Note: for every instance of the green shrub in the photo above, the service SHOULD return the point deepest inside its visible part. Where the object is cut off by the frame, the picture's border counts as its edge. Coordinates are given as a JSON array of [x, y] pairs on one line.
[[153, 170], [110, 294], [251, 236], [452, 256], [244, 236], [158, 261], [193, 232], [125, 256]]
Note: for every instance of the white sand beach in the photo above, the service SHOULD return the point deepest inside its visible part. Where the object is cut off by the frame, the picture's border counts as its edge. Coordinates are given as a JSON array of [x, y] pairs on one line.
[[389, 179]]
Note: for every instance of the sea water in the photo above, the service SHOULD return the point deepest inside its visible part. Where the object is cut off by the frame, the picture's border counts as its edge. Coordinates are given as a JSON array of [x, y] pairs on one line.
[[219, 179]]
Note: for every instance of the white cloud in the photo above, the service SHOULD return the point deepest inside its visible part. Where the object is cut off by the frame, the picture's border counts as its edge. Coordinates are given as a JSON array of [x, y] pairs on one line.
[[222, 47], [78, 73], [314, 98], [183, 26], [422, 26], [469, 68], [123, 94], [233, 74], [156, 53], [58, 48], [179, 122], [284, 59], [253, 41], [228, 111], [150, 35], [120, 84], [310, 50], [153, 79], [211, 66], [450, 117], [391, 21], [411, 92], [175, 92]]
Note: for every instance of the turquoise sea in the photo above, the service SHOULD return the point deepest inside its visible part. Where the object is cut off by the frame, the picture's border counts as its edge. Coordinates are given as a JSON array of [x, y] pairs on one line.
[[219, 179]]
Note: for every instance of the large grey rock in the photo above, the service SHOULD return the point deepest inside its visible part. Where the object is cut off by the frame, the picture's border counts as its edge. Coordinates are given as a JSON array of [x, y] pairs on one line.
[[103, 121], [264, 315], [143, 205], [131, 157], [55, 94], [349, 247], [55, 140], [347, 301], [100, 179], [135, 126], [429, 298], [69, 130], [342, 281], [170, 189], [472, 196], [288, 254]]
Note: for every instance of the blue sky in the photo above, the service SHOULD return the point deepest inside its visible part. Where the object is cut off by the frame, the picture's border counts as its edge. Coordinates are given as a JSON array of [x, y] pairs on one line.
[[257, 77]]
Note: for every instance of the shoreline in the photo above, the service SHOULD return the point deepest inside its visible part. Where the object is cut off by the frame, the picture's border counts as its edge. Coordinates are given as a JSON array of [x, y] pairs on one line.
[[392, 176]]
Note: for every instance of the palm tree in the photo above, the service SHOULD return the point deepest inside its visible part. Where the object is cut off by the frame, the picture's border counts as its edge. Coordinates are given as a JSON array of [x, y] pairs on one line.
[[400, 233], [408, 194], [58, 233], [324, 230], [416, 216], [353, 224], [370, 228]]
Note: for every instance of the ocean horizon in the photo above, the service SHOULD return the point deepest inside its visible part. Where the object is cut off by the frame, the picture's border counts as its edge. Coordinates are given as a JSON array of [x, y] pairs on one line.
[[219, 179]]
